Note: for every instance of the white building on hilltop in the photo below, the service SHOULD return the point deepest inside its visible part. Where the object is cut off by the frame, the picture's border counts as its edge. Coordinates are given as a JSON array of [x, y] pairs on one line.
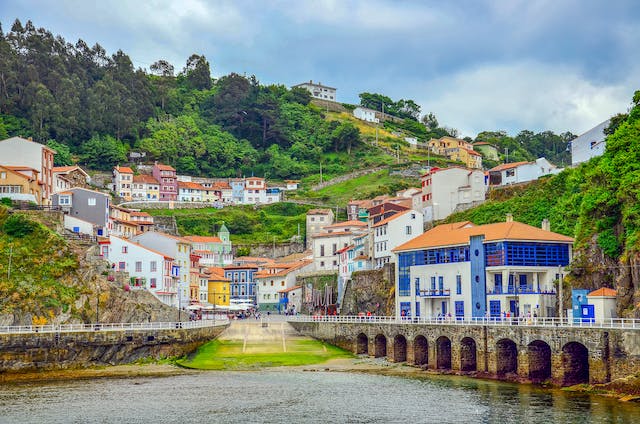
[[590, 144], [319, 91], [445, 190]]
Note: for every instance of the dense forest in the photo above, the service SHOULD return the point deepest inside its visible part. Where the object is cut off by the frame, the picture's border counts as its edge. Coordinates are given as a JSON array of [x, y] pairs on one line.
[[597, 203], [95, 108]]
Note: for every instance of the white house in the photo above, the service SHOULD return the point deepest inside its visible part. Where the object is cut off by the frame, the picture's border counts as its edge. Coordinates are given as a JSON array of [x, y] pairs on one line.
[[147, 268], [319, 91], [604, 303], [521, 172], [364, 114], [392, 232], [275, 279], [467, 271], [189, 192], [21, 152], [325, 245], [177, 248], [122, 181], [445, 190], [590, 144], [255, 191]]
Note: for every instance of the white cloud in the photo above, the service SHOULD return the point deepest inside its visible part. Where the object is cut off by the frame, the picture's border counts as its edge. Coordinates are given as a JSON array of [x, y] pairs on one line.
[[523, 95]]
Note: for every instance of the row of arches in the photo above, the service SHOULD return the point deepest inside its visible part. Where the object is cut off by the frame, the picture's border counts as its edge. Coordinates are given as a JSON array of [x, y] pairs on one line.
[[575, 356]]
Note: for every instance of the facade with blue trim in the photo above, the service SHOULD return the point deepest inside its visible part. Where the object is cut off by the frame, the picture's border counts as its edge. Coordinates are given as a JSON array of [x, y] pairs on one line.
[[243, 286], [467, 271]]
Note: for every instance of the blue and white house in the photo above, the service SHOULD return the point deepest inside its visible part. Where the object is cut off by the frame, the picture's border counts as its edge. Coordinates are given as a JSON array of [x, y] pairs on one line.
[[243, 284], [468, 271]]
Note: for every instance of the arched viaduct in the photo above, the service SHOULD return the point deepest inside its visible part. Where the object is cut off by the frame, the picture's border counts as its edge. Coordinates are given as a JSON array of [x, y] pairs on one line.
[[562, 355]]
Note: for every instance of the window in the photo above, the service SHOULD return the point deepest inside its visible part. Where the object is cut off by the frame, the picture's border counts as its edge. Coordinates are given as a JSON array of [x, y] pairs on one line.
[[458, 284], [322, 264], [335, 263], [124, 249], [322, 250], [153, 266], [121, 266], [3, 175], [153, 283], [510, 172], [335, 248], [91, 201], [282, 283], [459, 305], [408, 230], [138, 266]]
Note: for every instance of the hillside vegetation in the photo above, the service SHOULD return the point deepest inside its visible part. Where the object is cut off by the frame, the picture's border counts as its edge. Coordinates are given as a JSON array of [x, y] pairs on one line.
[[597, 203], [37, 270]]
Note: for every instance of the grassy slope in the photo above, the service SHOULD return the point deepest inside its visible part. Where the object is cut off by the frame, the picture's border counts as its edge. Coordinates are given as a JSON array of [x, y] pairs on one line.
[[228, 355], [42, 269], [246, 224]]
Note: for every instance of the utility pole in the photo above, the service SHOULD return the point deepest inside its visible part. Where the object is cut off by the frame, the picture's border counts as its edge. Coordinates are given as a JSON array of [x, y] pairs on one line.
[[274, 247], [507, 155], [321, 172]]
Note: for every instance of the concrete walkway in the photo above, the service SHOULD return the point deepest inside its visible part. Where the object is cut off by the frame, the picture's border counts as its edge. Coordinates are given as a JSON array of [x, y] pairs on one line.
[[266, 332]]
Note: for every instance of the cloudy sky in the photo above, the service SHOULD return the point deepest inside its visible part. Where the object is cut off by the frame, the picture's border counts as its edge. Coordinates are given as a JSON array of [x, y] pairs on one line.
[[478, 65]]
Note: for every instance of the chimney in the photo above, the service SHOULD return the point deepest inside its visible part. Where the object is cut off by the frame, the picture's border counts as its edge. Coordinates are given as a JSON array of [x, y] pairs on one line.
[[546, 225], [509, 217]]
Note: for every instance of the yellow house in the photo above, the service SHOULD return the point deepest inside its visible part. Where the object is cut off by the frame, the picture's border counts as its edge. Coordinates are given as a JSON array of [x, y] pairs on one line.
[[219, 287], [20, 183], [456, 149]]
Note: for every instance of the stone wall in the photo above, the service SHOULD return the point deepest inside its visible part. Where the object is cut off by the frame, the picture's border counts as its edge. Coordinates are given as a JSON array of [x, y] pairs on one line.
[[49, 351], [370, 291], [346, 177], [514, 353], [270, 250]]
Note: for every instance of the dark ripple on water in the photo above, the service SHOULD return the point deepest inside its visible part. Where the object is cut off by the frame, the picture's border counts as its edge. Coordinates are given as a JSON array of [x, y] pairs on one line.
[[301, 397]]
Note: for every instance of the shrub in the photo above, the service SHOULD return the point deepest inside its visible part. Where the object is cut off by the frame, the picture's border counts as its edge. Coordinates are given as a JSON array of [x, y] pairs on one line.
[[19, 226]]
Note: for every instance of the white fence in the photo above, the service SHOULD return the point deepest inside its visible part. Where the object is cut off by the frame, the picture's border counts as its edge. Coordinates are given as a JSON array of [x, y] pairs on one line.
[[528, 322], [76, 328]]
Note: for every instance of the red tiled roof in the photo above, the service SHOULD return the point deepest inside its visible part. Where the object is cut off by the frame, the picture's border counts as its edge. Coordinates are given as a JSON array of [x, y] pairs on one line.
[[392, 217], [458, 233], [144, 178], [289, 289], [189, 184], [347, 224], [603, 292], [162, 167], [506, 166], [203, 239], [471, 152], [124, 169], [319, 211]]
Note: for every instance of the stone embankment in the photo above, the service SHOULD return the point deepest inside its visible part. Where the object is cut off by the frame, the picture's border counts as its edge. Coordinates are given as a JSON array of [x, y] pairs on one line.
[[81, 349]]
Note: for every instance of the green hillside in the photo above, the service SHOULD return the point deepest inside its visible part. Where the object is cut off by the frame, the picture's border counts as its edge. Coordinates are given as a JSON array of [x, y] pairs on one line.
[[597, 203]]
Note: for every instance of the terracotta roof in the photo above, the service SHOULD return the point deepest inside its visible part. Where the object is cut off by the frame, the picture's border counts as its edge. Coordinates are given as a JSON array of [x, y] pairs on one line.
[[603, 292], [347, 224], [63, 169], [135, 213], [124, 169], [505, 166], [319, 211], [249, 265], [344, 249], [392, 217], [144, 247], [255, 178], [217, 273], [203, 239], [189, 184], [364, 204], [290, 289], [21, 168], [458, 233], [471, 152], [164, 167], [221, 185], [361, 257], [144, 178], [337, 233], [19, 174]]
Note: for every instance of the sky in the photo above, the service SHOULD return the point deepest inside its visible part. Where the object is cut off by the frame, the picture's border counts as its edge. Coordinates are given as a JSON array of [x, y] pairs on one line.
[[478, 65]]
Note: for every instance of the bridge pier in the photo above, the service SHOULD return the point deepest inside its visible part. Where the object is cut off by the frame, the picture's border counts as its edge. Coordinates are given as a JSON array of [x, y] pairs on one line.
[[562, 355]]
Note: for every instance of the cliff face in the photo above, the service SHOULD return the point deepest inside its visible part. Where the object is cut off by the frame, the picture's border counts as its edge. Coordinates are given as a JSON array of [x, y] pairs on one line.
[[370, 291]]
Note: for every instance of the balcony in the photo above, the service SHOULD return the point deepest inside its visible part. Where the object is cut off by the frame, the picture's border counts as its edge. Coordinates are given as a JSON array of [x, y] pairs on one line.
[[521, 291], [435, 293]]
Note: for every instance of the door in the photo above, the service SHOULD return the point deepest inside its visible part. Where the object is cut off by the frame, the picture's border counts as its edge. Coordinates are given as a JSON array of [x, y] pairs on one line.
[[588, 313], [513, 308]]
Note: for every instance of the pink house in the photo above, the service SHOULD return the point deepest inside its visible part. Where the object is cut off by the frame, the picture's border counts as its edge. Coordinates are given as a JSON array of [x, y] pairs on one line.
[[166, 176]]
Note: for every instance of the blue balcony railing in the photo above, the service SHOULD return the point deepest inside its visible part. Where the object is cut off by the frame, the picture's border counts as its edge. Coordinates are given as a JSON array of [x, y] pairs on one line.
[[521, 291]]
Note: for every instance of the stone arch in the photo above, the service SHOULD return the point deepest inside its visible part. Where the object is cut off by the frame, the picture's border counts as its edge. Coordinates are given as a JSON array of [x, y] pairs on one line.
[[443, 353], [380, 343], [420, 350], [362, 344], [506, 357], [575, 364], [399, 348], [539, 354], [468, 355]]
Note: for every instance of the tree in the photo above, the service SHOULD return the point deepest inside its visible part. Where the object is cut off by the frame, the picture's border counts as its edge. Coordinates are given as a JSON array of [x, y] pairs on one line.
[[63, 154], [198, 72], [430, 121], [103, 152], [345, 136]]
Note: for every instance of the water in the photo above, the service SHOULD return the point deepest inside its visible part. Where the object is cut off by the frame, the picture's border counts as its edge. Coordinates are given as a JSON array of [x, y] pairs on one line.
[[276, 396]]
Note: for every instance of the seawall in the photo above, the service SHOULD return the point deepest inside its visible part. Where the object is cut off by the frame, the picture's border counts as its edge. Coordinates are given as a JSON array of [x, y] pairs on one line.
[[61, 350]]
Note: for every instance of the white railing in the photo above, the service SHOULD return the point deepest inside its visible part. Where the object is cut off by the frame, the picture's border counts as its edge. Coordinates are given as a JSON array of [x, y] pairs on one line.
[[626, 323], [140, 326]]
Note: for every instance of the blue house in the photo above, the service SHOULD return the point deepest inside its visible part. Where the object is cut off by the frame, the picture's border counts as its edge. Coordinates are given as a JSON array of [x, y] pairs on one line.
[[243, 286], [462, 270]]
